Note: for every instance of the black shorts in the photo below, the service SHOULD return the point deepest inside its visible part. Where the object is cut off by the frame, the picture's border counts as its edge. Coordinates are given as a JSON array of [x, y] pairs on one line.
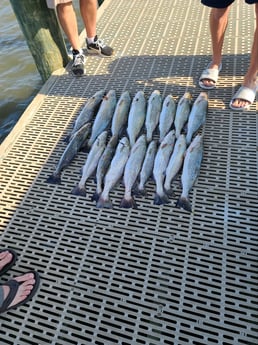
[[223, 3]]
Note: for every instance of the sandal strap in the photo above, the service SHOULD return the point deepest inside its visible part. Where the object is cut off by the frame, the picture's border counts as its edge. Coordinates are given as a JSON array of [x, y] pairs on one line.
[[13, 286]]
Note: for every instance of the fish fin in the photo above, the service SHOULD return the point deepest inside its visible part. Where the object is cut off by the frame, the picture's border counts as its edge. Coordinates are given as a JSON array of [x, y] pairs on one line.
[[128, 203], [160, 200], [67, 139], [104, 203], [184, 203], [95, 196], [79, 191], [54, 179]]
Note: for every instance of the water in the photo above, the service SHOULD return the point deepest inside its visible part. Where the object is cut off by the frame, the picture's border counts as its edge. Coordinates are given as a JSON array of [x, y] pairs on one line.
[[19, 77]]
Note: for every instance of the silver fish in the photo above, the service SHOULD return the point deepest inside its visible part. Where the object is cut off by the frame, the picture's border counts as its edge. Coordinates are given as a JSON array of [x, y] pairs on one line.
[[167, 116], [132, 169], [175, 162], [147, 167], [91, 163], [120, 116], [73, 147], [160, 164], [103, 165], [153, 113], [104, 116], [114, 173], [182, 112], [136, 116], [191, 169], [88, 111], [197, 116]]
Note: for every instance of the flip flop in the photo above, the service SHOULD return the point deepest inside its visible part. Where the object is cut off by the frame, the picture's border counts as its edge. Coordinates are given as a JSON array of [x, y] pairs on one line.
[[246, 94], [211, 74], [14, 286], [11, 263]]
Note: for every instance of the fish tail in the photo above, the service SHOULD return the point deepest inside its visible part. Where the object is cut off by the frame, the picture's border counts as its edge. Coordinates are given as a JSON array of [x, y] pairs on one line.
[[170, 192], [161, 199], [104, 203], [54, 179], [128, 203], [95, 196], [184, 203], [139, 191], [81, 191]]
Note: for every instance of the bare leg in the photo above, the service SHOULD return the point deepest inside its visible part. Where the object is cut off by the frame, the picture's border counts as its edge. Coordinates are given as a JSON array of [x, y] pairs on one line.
[[88, 10], [250, 79], [68, 22], [218, 25]]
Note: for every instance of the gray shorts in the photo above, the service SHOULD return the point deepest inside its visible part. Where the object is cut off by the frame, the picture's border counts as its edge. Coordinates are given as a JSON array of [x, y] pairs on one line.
[[223, 3], [53, 3]]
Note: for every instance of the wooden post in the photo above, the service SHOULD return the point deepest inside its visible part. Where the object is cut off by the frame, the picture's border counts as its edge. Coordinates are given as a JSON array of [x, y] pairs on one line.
[[43, 34]]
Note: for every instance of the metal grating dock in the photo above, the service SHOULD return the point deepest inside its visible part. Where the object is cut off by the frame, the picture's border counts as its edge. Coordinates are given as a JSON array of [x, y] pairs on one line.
[[153, 275]]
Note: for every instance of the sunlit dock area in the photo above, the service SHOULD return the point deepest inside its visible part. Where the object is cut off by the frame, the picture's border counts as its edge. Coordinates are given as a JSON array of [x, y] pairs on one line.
[[156, 274]]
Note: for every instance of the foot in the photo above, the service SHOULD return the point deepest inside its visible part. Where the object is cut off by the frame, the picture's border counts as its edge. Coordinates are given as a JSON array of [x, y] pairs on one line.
[[7, 260], [78, 65], [209, 76], [244, 97], [98, 46]]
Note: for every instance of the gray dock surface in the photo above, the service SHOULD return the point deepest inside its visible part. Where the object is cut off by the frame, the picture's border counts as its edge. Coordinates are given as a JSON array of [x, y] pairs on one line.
[[157, 274]]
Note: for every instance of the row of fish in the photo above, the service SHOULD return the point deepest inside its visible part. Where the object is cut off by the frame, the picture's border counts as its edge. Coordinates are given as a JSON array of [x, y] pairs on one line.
[[131, 155]]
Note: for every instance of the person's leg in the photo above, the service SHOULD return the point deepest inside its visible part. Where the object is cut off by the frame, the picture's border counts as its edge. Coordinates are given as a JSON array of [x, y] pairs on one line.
[[68, 22], [88, 10], [250, 79], [218, 24]]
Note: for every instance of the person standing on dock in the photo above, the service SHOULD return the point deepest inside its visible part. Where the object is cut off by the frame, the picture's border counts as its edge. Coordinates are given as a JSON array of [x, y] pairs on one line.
[[245, 96], [68, 21]]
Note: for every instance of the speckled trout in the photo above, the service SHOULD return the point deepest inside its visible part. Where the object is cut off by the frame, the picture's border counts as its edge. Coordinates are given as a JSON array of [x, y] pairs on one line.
[[76, 142], [136, 116], [132, 169], [182, 112], [91, 163], [191, 169], [160, 164], [153, 112], [103, 165], [197, 116], [87, 112], [104, 116], [175, 163], [114, 173], [121, 113], [167, 116]]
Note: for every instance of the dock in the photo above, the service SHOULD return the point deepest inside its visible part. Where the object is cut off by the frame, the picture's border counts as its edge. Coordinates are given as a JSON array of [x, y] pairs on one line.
[[157, 274]]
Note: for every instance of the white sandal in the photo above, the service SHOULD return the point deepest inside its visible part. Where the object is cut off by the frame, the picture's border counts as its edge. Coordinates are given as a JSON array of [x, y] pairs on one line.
[[211, 74]]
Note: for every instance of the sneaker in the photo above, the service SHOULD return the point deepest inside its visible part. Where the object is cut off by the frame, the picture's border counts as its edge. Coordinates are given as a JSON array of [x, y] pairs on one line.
[[99, 47], [78, 63]]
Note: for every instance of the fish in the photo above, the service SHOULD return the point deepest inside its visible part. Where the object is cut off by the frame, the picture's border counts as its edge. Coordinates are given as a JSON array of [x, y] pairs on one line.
[[175, 162], [132, 170], [182, 112], [91, 163], [103, 165], [160, 164], [104, 116], [114, 173], [197, 116], [167, 116], [121, 112], [147, 167], [87, 112], [136, 117], [76, 142], [152, 114], [191, 170]]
